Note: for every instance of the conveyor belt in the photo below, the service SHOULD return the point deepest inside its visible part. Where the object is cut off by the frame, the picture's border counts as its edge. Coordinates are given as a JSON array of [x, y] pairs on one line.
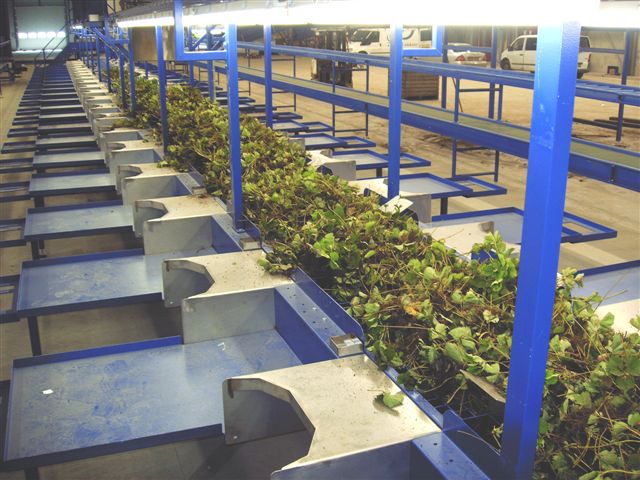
[[616, 165]]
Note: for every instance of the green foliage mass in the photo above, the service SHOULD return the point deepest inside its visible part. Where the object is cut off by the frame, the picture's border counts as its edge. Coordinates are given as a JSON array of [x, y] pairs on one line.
[[425, 311]]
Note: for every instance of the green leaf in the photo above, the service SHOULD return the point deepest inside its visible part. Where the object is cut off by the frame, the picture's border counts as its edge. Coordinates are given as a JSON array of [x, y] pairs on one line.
[[634, 419], [460, 332], [454, 352], [391, 400]]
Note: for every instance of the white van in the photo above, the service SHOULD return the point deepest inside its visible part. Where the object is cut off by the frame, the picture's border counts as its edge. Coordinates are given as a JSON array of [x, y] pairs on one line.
[[378, 40], [521, 54]]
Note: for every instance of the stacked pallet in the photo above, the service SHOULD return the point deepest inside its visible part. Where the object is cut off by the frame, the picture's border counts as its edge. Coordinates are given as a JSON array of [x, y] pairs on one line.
[[419, 86]]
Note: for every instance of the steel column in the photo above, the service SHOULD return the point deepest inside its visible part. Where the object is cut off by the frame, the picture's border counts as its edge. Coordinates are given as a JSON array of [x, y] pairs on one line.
[[162, 80], [98, 57], [190, 47], [210, 72], [122, 77], [626, 62], [268, 89], [445, 59], [494, 54], [233, 105], [107, 52], [132, 73], [551, 122], [395, 111]]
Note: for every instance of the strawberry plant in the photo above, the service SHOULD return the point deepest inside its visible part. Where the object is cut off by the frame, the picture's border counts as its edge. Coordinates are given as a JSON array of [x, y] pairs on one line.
[[437, 319]]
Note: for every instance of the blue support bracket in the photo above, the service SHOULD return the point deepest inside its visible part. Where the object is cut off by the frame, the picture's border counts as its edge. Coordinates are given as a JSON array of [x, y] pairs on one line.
[[551, 122]]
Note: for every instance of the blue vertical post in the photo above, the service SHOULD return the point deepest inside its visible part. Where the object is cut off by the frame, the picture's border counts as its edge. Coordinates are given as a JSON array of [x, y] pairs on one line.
[[98, 57], [492, 86], [210, 73], [268, 89], [107, 52], [551, 122], [90, 50], [445, 59], [122, 79], [456, 116], [146, 69], [162, 80], [233, 105], [395, 111], [626, 63], [132, 72], [190, 46]]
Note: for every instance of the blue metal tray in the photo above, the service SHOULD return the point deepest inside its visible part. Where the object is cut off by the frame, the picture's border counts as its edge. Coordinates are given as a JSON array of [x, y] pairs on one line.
[[370, 160], [508, 221], [91, 281], [77, 220], [43, 184], [58, 160]]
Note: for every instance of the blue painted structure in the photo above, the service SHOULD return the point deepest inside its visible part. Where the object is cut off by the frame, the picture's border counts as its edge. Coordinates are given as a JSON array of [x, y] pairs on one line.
[[551, 122]]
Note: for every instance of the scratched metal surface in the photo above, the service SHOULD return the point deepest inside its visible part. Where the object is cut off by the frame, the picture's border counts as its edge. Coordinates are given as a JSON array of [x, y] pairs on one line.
[[125, 396]]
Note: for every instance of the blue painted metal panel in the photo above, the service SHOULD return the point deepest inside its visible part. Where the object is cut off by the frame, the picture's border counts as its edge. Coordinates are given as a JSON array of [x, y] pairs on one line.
[[436, 456], [91, 281], [551, 122], [131, 399], [77, 220], [324, 301], [306, 329]]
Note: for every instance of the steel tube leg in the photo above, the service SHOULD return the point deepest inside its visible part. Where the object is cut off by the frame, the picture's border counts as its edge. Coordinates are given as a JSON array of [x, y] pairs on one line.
[[31, 473], [34, 336], [548, 167]]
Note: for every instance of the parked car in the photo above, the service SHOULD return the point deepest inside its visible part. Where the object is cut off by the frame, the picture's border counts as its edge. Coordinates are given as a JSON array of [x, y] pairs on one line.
[[378, 40], [467, 57], [521, 54]]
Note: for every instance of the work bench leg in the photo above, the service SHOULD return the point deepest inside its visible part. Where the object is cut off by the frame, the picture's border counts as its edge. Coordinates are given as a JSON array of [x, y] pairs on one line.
[[34, 336], [35, 249], [31, 474], [38, 202], [444, 206]]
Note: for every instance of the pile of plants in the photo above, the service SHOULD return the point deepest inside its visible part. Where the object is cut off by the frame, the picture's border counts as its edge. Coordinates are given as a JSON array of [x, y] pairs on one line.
[[437, 319]]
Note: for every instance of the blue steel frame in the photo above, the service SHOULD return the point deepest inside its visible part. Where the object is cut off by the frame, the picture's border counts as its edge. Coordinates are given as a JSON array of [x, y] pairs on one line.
[[548, 167], [395, 97], [230, 55]]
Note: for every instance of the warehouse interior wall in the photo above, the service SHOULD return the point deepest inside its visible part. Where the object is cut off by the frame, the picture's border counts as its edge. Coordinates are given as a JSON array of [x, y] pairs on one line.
[[144, 43], [39, 18], [612, 39]]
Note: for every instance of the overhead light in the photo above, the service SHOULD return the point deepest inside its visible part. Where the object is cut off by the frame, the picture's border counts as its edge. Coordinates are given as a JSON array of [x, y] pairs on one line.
[[410, 12], [22, 35], [77, 27], [151, 21]]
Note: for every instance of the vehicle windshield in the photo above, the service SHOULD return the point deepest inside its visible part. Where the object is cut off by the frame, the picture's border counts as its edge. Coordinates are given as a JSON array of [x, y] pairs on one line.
[[362, 35]]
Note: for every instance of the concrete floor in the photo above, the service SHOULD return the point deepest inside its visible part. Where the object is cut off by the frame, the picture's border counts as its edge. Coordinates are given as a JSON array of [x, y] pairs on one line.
[[607, 204]]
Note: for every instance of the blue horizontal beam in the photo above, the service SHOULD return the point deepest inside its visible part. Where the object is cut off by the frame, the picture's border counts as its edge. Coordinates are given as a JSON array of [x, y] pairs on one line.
[[601, 91]]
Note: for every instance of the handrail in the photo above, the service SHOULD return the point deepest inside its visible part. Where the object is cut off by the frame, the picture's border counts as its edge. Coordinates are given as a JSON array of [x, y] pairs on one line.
[[44, 55]]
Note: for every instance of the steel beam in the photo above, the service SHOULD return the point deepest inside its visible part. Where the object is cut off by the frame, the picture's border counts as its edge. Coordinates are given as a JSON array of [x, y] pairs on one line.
[[548, 166]]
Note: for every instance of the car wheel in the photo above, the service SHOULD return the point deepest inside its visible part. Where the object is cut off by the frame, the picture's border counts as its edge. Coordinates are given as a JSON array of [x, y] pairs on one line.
[[580, 74], [505, 64]]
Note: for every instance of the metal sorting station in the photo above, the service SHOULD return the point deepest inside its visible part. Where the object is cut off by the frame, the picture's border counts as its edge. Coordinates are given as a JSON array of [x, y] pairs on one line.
[[260, 355]]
